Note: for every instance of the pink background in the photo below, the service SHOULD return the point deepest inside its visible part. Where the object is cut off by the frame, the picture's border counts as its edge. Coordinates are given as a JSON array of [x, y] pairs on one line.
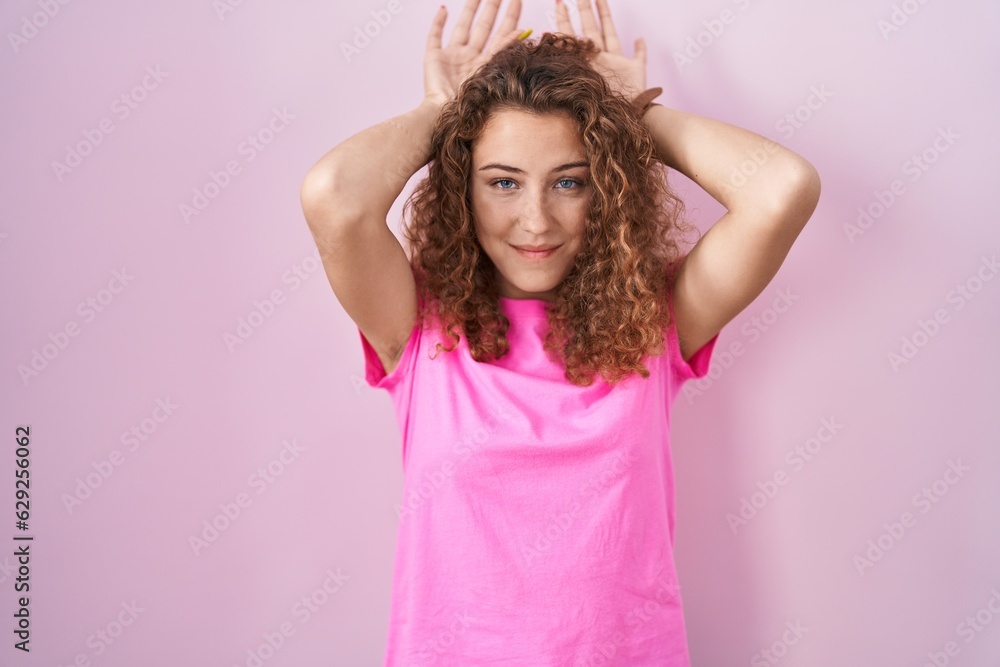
[[325, 515]]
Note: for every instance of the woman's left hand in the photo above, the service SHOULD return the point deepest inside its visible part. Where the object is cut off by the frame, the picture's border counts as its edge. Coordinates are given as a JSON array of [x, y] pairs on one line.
[[625, 75]]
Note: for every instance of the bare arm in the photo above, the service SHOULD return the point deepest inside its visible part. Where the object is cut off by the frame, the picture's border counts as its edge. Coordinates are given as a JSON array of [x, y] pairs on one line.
[[737, 258], [370, 169], [365, 173], [710, 152], [345, 198], [347, 194]]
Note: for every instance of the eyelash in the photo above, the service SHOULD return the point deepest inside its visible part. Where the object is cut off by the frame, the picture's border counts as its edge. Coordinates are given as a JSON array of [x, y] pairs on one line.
[[561, 180]]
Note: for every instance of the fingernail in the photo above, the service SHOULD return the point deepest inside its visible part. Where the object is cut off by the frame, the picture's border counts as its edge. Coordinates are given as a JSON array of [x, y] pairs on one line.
[[524, 35]]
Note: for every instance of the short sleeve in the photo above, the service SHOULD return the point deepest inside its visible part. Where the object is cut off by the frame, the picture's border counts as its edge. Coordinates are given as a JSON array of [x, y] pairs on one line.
[[375, 374], [698, 365]]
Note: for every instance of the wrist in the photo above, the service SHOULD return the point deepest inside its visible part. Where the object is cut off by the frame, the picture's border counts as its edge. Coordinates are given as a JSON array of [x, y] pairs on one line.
[[432, 102], [644, 100], [428, 110]]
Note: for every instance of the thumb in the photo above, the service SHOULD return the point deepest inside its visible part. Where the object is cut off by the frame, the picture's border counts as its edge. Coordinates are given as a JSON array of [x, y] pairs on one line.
[[640, 50]]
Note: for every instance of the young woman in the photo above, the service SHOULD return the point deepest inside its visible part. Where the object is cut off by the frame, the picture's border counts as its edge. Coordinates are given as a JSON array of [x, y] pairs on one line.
[[537, 335]]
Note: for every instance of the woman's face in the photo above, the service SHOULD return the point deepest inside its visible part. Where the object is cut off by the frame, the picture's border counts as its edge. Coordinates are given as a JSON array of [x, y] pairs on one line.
[[530, 189]]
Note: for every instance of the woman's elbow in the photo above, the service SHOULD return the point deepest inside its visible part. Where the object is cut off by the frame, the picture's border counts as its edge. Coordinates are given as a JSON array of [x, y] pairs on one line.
[[800, 195]]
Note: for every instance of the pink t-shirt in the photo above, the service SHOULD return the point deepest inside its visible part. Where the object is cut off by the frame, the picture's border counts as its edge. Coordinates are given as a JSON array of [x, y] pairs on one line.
[[537, 517]]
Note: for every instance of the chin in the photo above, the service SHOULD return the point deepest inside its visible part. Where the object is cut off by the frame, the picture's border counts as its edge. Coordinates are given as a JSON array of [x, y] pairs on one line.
[[529, 286]]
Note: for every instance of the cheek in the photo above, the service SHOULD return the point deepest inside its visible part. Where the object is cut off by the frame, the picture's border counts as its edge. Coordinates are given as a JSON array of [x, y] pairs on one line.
[[480, 220], [576, 225], [488, 221]]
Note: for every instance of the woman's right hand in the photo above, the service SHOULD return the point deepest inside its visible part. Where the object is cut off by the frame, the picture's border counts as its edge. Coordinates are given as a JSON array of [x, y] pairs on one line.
[[446, 68]]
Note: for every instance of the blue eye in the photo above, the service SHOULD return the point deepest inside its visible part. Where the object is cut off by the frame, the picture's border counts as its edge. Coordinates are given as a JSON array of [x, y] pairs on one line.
[[571, 181]]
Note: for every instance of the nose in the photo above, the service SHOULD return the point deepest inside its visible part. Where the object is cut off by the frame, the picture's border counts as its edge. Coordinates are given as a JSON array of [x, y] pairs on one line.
[[535, 216]]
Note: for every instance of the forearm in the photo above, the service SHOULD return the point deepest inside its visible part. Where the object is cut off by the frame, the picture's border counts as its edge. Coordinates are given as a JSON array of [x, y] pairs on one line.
[[364, 174], [742, 170]]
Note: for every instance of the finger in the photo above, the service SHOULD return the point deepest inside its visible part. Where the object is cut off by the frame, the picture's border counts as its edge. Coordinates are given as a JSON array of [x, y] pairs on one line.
[[460, 33], [611, 43], [562, 19], [511, 18], [589, 21], [437, 29], [640, 51], [484, 25], [501, 41]]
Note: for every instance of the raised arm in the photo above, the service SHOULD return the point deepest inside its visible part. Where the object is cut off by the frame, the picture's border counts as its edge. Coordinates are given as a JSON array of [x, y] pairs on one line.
[[348, 193], [345, 198], [360, 178], [738, 256]]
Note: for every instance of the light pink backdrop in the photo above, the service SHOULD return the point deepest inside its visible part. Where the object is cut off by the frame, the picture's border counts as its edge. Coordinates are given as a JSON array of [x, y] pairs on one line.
[[170, 291]]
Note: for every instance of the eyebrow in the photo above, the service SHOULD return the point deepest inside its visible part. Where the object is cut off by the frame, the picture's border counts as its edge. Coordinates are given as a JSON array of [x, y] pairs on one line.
[[504, 167]]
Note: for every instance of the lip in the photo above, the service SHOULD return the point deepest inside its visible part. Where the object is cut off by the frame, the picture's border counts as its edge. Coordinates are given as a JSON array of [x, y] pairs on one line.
[[536, 254]]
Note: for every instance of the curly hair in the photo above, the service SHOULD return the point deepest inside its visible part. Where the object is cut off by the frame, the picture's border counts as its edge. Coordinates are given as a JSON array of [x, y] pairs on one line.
[[611, 310]]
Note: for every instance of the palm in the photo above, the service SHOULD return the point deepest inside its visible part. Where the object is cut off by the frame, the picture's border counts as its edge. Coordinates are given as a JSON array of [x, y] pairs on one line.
[[624, 75], [445, 68]]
